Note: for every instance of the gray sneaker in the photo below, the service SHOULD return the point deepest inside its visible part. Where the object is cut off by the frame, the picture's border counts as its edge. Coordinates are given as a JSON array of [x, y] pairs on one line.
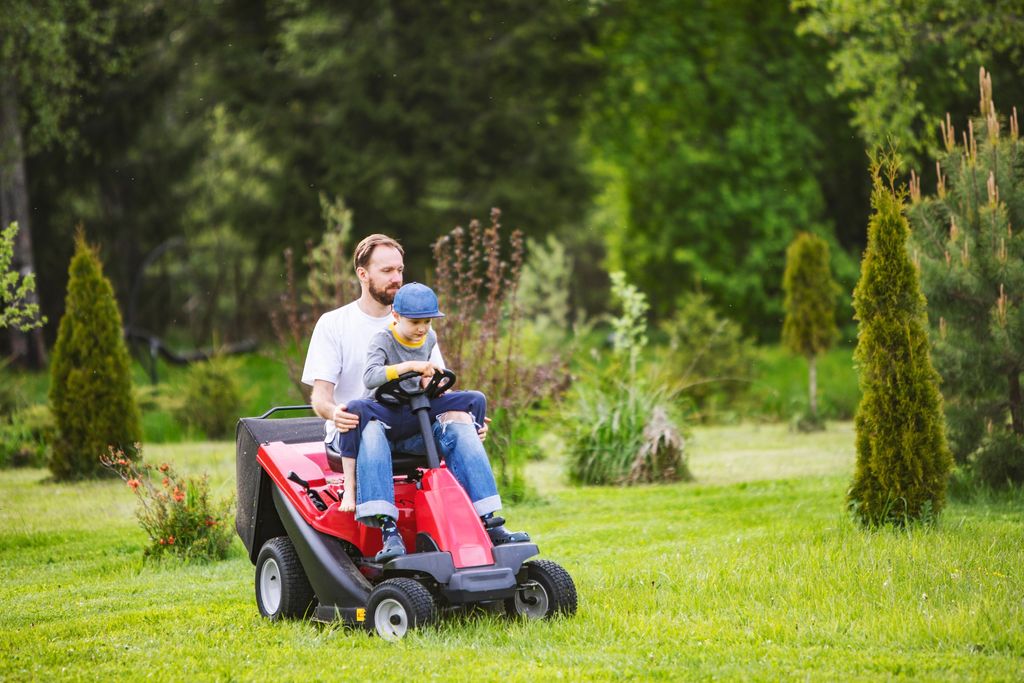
[[393, 547]]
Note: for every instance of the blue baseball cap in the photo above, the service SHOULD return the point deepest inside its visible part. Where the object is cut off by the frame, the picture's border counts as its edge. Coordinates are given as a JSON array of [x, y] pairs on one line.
[[416, 301]]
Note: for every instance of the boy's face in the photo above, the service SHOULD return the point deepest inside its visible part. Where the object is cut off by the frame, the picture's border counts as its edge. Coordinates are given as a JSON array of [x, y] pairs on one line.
[[413, 329]]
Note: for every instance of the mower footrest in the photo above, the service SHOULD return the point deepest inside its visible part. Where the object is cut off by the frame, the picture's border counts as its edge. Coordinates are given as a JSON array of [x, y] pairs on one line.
[[476, 585]]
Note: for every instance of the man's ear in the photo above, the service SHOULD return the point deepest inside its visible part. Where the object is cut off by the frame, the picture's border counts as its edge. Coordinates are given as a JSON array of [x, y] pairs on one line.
[[361, 274]]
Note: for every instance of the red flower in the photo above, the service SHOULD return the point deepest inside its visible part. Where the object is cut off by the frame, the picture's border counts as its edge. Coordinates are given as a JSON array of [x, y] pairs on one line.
[[166, 482], [163, 542], [164, 467], [170, 540], [178, 494], [134, 484], [210, 522]]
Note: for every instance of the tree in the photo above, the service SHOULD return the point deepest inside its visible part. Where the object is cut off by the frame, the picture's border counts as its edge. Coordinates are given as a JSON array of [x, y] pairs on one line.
[[716, 121], [47, 51], [895, 64], [967, 237], [810, 325], [902, 458], [16, 307], [90, 375]]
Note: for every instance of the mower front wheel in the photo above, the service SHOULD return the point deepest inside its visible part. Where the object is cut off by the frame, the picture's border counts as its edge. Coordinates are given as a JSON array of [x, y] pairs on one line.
[[548, 590], [397, 605], [282, 589]]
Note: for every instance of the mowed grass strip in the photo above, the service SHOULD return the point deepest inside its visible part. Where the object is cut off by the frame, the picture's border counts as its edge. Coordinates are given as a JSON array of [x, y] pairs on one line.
[[739, 575]]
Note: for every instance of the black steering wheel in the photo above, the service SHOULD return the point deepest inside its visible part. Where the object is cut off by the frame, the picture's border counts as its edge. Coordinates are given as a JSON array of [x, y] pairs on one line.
[[392, 392]]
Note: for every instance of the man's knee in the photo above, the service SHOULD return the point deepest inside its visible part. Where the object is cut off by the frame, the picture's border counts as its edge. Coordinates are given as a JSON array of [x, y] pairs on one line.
[[455, 416]]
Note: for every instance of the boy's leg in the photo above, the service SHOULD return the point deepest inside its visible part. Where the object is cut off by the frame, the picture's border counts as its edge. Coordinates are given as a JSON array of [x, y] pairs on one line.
[[348, 496]]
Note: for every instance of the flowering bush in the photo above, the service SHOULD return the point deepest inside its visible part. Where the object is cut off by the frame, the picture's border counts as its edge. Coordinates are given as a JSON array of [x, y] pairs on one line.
[[175, 512]]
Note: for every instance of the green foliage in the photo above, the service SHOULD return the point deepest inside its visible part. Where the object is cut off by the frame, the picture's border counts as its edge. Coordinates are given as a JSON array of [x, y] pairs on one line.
[[810, 325], [898, 64], [903, 461], [971, 251], [15, 288], [211, 398], [780, 390], [707, 356], [90, 374], [544, 286], [176, 513], [708, 168], [26, 437], [621, 422], [999, 460]]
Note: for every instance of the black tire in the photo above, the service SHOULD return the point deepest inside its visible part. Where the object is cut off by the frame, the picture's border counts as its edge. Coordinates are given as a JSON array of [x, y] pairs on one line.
[[397, 605], [282, 589], [548, 590]]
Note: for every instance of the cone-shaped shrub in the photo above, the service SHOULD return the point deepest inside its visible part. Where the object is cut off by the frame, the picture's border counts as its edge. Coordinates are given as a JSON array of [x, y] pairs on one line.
[[90, 377], [810, 325], [903, 461]]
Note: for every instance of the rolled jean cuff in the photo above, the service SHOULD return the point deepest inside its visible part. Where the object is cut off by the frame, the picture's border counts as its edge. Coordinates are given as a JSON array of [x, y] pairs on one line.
[[487, 505], [366, 513]]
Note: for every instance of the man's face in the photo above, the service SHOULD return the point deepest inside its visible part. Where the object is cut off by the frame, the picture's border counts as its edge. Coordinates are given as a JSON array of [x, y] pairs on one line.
[[383, 274]]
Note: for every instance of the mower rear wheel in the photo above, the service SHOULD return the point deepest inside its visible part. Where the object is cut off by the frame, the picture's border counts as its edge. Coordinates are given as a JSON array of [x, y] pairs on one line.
[[397, 605], [282, 589], [548, 590]]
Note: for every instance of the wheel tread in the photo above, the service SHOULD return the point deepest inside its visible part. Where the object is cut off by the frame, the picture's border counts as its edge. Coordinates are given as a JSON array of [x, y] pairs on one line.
[[297, 595], [563, 598]]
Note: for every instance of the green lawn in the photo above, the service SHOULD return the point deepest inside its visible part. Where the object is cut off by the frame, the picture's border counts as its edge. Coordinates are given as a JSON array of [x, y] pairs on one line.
[[753, 572]]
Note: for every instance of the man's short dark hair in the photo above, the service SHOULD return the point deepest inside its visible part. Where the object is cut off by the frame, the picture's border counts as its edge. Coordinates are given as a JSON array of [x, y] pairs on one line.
[[364, 250]]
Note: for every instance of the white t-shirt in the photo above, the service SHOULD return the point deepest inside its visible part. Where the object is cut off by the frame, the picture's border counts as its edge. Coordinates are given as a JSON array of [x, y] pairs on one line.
[[337, 353]]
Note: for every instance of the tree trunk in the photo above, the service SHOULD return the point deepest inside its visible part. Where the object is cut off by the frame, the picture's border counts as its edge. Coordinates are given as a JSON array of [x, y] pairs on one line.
[[1016, 416], [812, 384], [14, 207]]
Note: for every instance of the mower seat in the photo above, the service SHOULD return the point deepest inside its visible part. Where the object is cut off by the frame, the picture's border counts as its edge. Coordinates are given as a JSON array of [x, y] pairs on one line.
[[402, 464]]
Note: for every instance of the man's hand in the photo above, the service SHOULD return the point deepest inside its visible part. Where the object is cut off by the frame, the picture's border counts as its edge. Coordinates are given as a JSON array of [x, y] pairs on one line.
[[343, 419], [482, 432]]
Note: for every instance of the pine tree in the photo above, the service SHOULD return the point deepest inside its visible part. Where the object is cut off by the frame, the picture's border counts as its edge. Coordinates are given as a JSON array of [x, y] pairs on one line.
[[90, 377], [810, 325], [968, 240], [903, 461]]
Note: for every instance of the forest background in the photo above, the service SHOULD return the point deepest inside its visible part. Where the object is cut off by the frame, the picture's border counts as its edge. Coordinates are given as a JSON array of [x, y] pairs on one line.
[[682, 142]]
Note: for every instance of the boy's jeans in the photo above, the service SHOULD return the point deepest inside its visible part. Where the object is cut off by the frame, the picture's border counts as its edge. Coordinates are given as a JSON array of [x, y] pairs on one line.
[[459, 445]]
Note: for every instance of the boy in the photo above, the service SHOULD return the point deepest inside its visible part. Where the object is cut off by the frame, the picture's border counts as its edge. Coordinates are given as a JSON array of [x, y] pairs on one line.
[[405, 346]]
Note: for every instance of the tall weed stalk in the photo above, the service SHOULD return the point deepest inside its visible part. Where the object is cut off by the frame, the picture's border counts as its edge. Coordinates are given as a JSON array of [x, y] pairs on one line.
[[477, 287]]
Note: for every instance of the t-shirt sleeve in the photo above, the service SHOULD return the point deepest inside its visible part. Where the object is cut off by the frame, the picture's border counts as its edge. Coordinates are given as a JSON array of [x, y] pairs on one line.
[[435, 354], [375, 373], [324, 357]]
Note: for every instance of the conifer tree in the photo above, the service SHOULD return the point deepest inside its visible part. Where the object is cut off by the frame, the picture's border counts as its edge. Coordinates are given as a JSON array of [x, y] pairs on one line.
[[90, 376], [810, 325], [967, 237], [903, 461]]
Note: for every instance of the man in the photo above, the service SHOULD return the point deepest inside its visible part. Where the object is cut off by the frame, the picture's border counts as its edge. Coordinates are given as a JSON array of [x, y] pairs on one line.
[[334, 368]]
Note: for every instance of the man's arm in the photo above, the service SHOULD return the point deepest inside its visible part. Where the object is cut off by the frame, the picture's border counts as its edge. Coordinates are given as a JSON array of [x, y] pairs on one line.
[[324, 406]]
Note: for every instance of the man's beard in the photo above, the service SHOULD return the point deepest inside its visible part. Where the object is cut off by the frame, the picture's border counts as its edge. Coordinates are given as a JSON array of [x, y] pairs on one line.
[[382, 296]]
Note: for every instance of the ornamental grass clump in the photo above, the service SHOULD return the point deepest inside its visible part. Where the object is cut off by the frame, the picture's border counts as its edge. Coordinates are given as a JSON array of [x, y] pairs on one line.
[[620, 421], [903, 461], [175, 512]]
